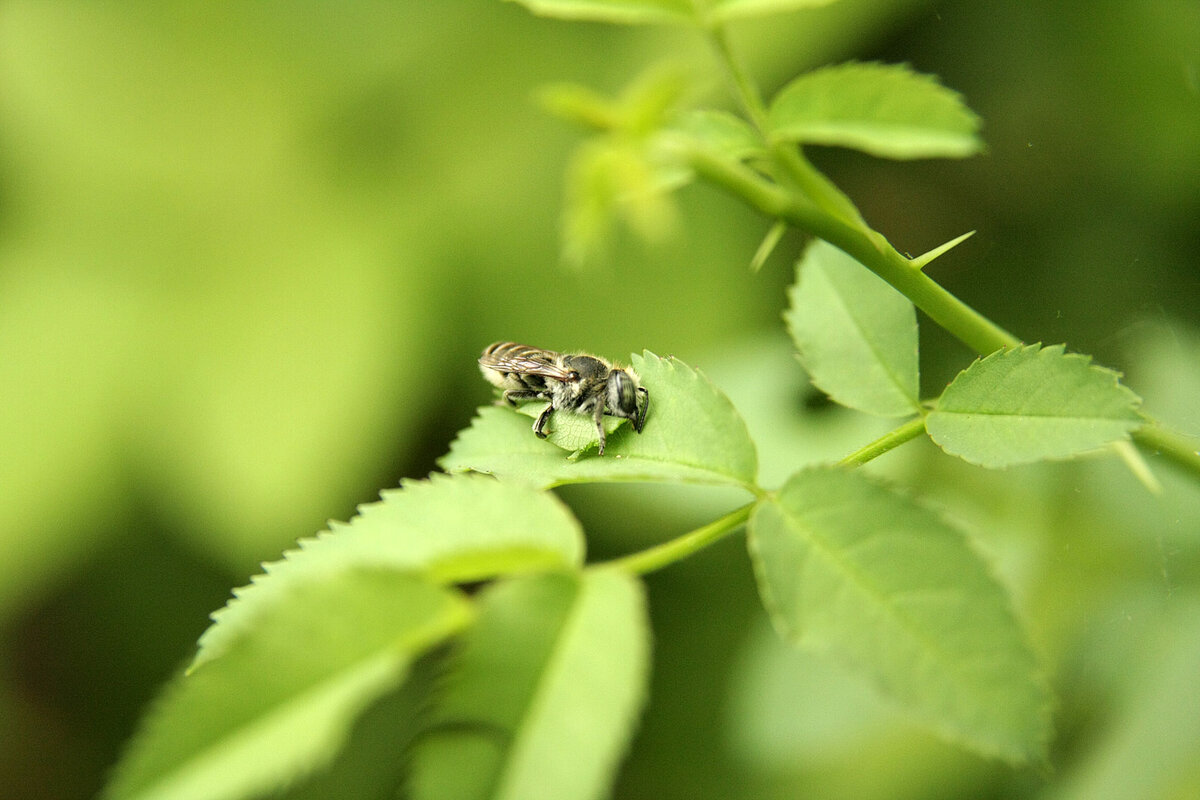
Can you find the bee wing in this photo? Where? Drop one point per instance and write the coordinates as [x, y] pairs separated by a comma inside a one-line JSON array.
[[526, 361]]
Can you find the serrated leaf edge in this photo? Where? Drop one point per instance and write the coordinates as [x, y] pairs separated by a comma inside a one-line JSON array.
[[794, 637], [287, 566]]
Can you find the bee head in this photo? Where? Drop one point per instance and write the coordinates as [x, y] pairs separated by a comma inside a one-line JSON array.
[[623, 396]]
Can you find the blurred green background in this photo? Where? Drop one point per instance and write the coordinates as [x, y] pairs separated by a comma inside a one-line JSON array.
[[249, 253]]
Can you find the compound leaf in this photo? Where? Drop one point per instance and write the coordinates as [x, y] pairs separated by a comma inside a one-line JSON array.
[[281, 700], [692, 434], [856, 335], [460, 528], [1031, 403], [885, 110], [890, 589], [544, 693]]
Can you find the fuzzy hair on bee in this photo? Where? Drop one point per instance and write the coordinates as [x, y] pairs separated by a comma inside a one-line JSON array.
[[577, 383]]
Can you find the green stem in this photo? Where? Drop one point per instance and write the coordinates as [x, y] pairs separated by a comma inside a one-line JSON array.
[[679, 548], [744, 89], [809, 180], [1183, 450], [905, 433], [866, 246], [786, 155]]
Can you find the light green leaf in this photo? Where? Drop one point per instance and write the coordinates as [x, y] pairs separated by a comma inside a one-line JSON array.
[[724, 134], [373, 763], [614, 178], [724, 10], [460, 528], [1032, 403], [573, 432], [544, 694], [632, 12], [893, 591], [692, 434], [885, 110], [281, 700], [856, 335], [626, 12]]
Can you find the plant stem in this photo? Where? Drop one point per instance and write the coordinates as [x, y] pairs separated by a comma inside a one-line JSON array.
[[744, 89], [868, 247], [890, 440], [786, 155], [679, 548], [1183, 450]]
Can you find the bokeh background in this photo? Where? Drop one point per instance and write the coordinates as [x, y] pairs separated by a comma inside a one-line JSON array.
[[249, 253]]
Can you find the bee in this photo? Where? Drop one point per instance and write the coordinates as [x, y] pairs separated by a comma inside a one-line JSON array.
[[578, 383]]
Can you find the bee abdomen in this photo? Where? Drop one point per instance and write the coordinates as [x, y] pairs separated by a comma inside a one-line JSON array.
[[505, 351]]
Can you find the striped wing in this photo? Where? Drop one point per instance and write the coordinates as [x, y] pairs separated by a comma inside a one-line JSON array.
[[509, 357]]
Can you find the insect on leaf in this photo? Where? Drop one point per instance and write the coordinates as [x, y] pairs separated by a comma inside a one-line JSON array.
[[573, 432], [892, 591], [1032, 403], [692, 434]]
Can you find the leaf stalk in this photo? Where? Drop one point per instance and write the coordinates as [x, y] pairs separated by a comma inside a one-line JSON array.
[[889, 441], [679, 548]]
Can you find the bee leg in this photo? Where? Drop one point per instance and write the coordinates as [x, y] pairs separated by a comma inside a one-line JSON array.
[[600, 425], [511, 396], [642, 408], [539, 427]]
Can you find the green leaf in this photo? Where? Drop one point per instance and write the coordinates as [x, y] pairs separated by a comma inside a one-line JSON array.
[[611, 178], [692, 434], [891, 590], [626, 12], [856, 335], [1032, 403], [726, 135], [461, 528], [545, 692], [633, 12], [573, 432], [373, 763], [885, 110], [281, 700], [724, 10]]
